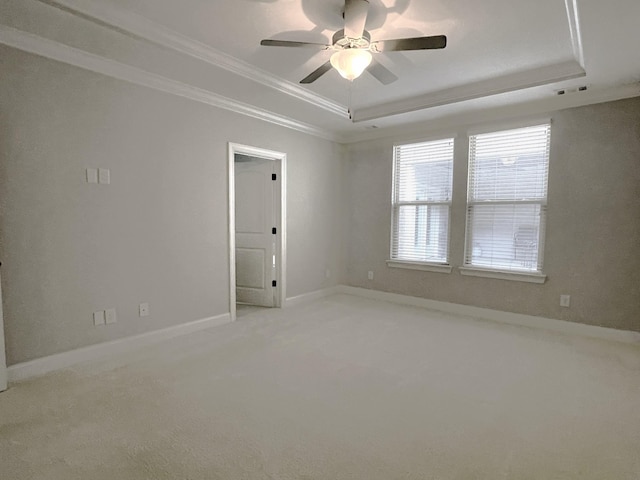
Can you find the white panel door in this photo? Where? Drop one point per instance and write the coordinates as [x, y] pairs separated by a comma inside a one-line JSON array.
[[255, 241], [3, 358]]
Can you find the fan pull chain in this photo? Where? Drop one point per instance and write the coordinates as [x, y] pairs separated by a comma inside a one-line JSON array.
[[350, 99]]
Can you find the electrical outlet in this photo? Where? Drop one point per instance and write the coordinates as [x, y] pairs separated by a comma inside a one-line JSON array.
[[327, 273], [144, 309], [98, 318], [370, 275], [110, 315], [565, 300]]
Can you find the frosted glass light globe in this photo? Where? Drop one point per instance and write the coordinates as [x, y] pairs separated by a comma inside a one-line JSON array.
[[351, 62]]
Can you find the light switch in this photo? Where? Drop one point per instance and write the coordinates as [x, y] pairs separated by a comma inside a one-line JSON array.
[[104, 176], [144, 309], [92, 175], [110, 315], [98, 318]]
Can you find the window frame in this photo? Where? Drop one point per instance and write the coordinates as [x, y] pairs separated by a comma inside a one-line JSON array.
[[432, 266], [532, 276]]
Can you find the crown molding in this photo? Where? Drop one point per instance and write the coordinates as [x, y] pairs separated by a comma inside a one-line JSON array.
[[31, 43], [574, 30], [506, 114], [484, 88], [139, 27], [507, 83]]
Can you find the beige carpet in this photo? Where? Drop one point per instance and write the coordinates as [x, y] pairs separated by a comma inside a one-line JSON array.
[[344, 388]]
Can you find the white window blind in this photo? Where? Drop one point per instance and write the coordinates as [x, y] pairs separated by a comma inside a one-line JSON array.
[[422, 180], [507, 199]]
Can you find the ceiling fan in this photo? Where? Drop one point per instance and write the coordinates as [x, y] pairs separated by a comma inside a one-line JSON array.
[[353, 47]]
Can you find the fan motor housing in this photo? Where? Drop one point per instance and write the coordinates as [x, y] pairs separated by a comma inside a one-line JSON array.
[[341, 41]]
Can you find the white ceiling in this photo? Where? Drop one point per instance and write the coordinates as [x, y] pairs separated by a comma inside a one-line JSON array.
[[500, 53]]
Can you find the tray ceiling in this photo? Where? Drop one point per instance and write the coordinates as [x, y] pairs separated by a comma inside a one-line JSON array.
[[499, 52]]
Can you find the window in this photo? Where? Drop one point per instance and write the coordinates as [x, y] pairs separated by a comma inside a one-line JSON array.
[[422, 181], [507, 199]]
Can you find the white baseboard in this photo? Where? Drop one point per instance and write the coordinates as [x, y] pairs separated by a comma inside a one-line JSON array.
[[560, 326], [41, 366], [315, 295], [58, 361]]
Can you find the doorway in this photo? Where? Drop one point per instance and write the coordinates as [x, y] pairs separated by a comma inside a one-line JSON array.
[[257, 227]]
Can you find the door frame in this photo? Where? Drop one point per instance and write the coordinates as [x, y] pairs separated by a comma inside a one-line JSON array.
[[3, 358], [280, 215]]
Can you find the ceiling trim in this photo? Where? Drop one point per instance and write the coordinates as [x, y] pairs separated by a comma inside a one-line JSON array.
[[507, 83], [574, 30], [31, 43], [140, 27], [505, 115]]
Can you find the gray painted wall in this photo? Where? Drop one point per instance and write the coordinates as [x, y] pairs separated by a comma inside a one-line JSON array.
[[158, 233], [593, 224]]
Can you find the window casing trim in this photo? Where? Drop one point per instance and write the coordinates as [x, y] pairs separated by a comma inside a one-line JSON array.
[[531, 277], [395, 209], [510, 125], [423, 266], [429, 138], [536, 276]]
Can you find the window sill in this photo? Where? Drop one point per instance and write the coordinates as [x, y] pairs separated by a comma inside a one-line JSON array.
[[427, 267], [504, 275]]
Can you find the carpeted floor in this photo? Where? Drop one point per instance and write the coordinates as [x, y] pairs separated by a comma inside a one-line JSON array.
[[343, 388]]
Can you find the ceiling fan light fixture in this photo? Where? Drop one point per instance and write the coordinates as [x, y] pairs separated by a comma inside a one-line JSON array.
[[351, 62], [352, 46]]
